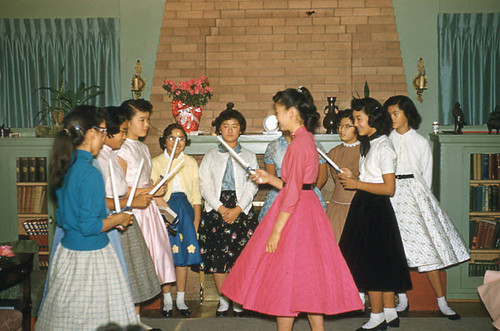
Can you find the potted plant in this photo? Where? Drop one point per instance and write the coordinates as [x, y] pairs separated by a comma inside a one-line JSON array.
[[60, 101]]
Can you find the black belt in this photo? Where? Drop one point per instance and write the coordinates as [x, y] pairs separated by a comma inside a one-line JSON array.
[[405, 176], [305, 186]]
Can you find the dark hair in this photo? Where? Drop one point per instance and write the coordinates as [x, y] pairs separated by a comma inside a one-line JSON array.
[[378, 118], [228, 114], [75, 124], [408, 107], [115, 118], [134, 105], [303, 101], [346, 113], [168, 131]]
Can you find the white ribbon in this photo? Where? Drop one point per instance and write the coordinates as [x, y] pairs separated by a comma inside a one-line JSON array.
[[187, 113]]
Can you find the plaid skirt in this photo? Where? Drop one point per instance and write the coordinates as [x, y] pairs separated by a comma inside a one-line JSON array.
[[87, 289], [144, 282]]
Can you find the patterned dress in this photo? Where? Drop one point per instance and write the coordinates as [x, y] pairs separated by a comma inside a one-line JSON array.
[[430, 239], [149, 219], [307, 272], [345, 156], [275, 152]]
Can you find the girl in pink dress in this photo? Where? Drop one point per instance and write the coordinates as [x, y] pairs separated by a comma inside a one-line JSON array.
[[149, 219], [292, 263]]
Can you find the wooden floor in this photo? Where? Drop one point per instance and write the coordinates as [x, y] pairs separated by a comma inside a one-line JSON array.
[[207, 310]]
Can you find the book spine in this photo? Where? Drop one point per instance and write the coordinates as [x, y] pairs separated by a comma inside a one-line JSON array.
[[41, 169], [23, 166], [481, 234], [18, 171], [498, 166], [32, 169], [492, 166], [484, 166], [475, 235], [496, 236]]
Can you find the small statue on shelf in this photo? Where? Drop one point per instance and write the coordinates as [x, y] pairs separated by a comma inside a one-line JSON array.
[[331, 120], [459, 119], [493, 122]]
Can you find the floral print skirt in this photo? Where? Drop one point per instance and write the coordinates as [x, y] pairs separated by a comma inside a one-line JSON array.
[[221, 243]]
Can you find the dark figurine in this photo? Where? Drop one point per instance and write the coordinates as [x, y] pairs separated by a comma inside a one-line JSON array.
[[331, 120], [4, 132], [493, 122], [459, 119]]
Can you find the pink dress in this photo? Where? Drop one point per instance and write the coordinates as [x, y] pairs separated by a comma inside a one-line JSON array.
[[149, 219], [307, 273]]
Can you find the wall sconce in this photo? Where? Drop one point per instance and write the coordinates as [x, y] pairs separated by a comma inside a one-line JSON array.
[[138, 83], [420, 80]]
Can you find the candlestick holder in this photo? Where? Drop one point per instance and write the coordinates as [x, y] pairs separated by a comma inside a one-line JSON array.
[[138, 84], [420, 80]]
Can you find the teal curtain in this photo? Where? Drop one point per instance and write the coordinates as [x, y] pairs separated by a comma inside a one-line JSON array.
[[34, 51], [469, 65]]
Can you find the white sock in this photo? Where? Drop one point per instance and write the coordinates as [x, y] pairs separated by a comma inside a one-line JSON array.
[[362, 297], [390, 314], [223, 303], [167, 301], [443, 306], [403, 302], [142, 325], [179, 301], [375, 319], [237, 307]]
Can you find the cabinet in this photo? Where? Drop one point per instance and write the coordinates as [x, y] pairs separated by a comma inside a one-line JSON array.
[[454, 184], [25, 202]]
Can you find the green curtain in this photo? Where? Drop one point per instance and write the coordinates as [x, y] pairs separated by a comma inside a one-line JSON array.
[[469, 65], [34, 51]]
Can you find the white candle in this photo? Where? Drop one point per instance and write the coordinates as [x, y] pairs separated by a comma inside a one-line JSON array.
[[134, 186], [333, 164], [113, 187], [235, 155], [157, 187], [171, 156]]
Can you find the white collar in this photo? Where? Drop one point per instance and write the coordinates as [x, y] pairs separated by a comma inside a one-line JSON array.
[[351, 145], [167, 156]]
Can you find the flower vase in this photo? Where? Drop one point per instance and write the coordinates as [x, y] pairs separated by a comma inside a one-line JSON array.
[[186, 116]]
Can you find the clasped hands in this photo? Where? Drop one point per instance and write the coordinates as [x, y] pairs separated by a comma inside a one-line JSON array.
[[229, 215], [348, 180]]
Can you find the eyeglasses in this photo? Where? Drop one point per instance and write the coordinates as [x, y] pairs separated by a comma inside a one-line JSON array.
[[346, 126], [100, 129], [181, 139]]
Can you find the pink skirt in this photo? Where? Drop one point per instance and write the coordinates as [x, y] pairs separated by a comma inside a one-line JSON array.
[[156, 237], [307, 273]]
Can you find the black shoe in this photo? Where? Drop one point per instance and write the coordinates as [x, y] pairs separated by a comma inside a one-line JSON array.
[[220, 313], [184, 312], [167, 313], [238, 313], [380, 327], [453, 317], [394, 323]]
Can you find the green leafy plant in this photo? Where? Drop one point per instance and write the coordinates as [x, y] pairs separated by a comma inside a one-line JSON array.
[[61, 99]]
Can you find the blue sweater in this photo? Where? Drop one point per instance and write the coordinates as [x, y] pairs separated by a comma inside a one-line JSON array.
[[82, 206]]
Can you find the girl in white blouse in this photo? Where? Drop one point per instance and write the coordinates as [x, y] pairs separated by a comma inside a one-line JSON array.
[[228, 219], [430, 239], [371, 242]]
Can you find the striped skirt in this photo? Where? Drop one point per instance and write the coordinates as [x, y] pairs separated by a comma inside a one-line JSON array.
[[87, 289]]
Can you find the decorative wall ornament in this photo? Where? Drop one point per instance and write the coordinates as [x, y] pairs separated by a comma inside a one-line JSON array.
[[420, 80]]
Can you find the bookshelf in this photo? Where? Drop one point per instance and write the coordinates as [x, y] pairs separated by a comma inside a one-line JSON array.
[[27, 210], [465, 185]]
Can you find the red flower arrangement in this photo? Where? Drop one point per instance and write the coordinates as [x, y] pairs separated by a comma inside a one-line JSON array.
[[6, 250], [187, 99]]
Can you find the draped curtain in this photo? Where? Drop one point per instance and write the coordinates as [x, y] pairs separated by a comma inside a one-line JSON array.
[[33, 52], [469, 65]]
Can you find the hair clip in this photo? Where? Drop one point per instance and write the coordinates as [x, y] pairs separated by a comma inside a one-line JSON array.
[[77, 128], [67, 131], [299, 89]]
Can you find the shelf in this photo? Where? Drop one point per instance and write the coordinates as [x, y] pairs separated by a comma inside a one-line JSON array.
[[32, 215], [485, 181], [484, 213], [31, 184], [485, 251]]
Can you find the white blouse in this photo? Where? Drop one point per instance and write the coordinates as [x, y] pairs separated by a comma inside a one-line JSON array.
[[380, 160], [414, 155], [212, 170], [103, 158], [132, 152]]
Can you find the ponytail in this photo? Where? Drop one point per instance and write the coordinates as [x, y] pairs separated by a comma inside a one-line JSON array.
[[303, 101]]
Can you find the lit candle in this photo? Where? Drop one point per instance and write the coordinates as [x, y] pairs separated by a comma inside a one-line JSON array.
[[238, 158], [171, 156], [113, 187], [134, 186], [167, 177], [421, 83]]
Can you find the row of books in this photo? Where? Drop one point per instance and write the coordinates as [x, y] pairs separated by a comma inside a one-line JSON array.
[[31, 169], [32, 199], [484, 197], [38, 230], [485, 233], [485, 166], [479, 267], [43, 262]]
